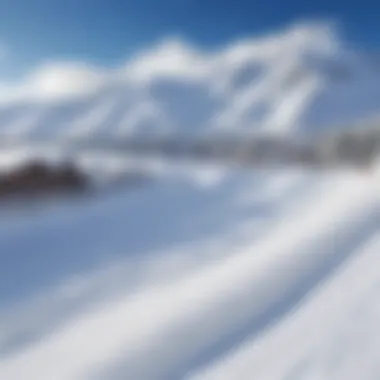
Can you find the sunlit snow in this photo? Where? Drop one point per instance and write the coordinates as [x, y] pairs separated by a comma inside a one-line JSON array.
[[205, 272]]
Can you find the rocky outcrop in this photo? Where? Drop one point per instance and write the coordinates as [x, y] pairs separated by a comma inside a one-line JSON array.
[[38, 179]]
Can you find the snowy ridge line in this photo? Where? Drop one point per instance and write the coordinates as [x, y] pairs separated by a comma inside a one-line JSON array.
[[186, 313], [301, 79]]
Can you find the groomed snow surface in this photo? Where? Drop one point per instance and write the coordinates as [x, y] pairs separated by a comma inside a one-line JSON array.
[[204, 273]]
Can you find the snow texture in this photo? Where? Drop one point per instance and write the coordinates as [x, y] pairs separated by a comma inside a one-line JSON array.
[[206, 273]]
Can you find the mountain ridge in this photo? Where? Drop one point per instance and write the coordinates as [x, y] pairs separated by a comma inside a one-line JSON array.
[[296, 80]]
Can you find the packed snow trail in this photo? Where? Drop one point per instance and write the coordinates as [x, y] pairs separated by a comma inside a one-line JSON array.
[[179, 325]]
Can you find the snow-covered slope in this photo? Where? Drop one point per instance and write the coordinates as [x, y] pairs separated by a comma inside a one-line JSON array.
[[206, 273], [297, 79]]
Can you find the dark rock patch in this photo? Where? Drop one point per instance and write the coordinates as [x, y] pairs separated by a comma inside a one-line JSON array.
[[36, 179]]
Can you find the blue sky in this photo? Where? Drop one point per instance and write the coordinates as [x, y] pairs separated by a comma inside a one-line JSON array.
[[106, 31]]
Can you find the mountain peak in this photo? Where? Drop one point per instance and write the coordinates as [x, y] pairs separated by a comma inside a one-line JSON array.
[[300, 78]]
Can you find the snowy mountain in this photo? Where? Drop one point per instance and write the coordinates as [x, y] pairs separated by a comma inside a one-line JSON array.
[[301, 79], [206, 272]]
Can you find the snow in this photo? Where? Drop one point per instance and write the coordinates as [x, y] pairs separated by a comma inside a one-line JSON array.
[[205, 272], [196, 272], [299, 79]]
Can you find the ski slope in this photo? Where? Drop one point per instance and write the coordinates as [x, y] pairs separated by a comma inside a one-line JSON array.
[[206, 272], [209, 275]]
